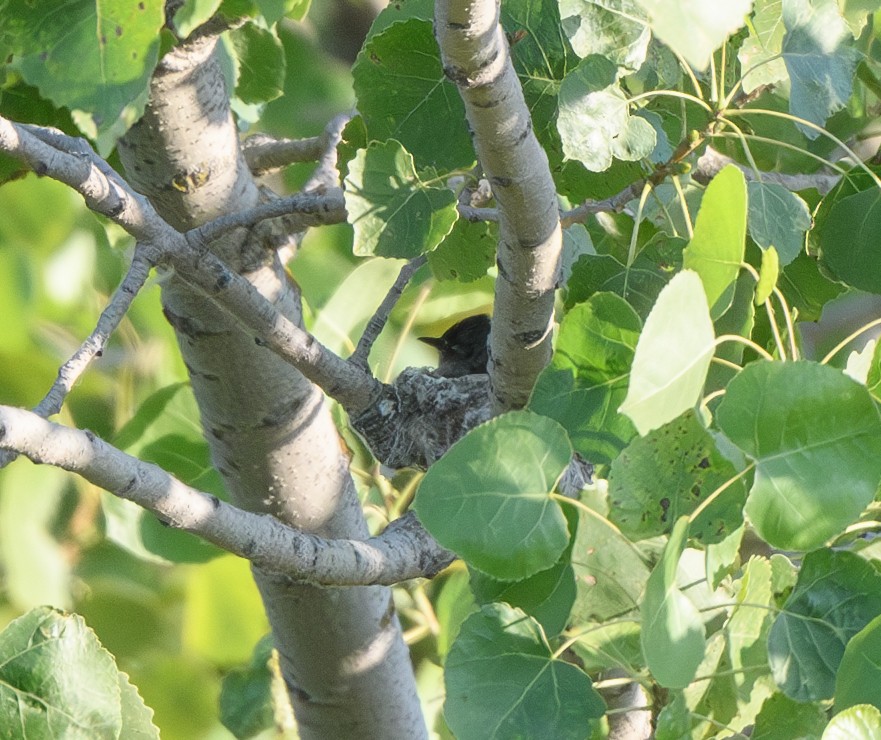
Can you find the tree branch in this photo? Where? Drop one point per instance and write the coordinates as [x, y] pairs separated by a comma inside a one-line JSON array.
[[476, 57], [403, 551], [377, 322], [94, 344], [106, 192]]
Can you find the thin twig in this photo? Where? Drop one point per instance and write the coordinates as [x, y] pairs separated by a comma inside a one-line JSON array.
[[313, 209], [265, 154], [378, 320], [326, 174], [94, 345]]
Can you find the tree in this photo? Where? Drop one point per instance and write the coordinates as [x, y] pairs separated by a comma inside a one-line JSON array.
[[658, 507]]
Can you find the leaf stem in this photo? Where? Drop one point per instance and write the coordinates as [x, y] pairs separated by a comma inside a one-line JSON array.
[[848, 339], [600, 518], [718, 492], [759, 350]]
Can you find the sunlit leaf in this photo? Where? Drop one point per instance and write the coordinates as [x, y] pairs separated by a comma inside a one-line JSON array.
[[672, 630], [673, 355], [697, 28], [393, 212], [716, 250]]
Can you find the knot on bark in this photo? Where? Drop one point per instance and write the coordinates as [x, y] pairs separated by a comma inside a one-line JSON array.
[[420, 415]]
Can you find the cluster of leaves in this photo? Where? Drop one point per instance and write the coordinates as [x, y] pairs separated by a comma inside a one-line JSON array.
[[708, 426], [678, 371]]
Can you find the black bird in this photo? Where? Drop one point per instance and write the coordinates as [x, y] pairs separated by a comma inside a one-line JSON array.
[[462, 347]]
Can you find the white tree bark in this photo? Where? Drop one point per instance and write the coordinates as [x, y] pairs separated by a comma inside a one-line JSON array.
[[272, 438], [476, 57]]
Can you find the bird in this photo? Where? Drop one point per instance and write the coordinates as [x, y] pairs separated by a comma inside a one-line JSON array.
[[462, 347]]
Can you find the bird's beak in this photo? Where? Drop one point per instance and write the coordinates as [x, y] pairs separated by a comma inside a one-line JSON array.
[[435, 342]]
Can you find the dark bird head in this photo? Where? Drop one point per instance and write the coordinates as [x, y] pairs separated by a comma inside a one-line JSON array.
[[462, 347]]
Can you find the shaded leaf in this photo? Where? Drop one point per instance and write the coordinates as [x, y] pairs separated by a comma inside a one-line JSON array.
[[859, 676], [487, 497], [587, 378], [778, 218], [837, 594], [667, 474], [403, 94], [501, 682], [819, 60], [815, 436]]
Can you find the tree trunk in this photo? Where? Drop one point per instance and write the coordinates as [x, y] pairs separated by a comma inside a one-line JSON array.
[[272, 438]]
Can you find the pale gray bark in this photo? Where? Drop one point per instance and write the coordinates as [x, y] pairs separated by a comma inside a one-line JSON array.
[[476, 57], [402, 551], [271, 436]]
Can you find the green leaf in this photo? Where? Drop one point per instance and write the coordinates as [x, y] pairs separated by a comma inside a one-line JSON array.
[[393, 212], [672, 357], [594, 119], [614, 644], [856, 13], [807, 289], [861, 722], [165, 430], [859, 676], [860, 363], [487, 497], [848, 239], [716, 250], [452, 607], [466, 253], [781, 718], [815, 436], [547, 596], [192, 14], [639, 284], [760, 53], [778, 218], [610, 571], [502, 682], [819, 60], [873, 378], [36, 568], [673, 638], [667, 474], [137, 717], [246, 698], [261, 63], [615, 29], [56, 680], [94, 57], [587, 378], [767, 276], [695, 29], [837, 594], [403, 94]]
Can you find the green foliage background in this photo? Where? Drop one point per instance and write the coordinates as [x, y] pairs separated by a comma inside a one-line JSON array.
[[653, 571]]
